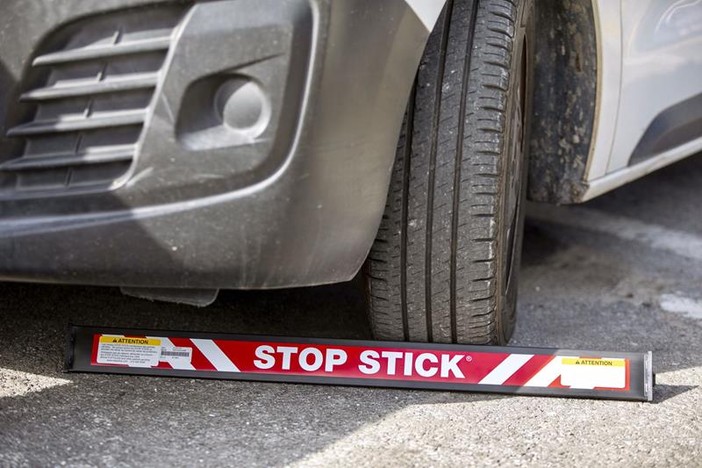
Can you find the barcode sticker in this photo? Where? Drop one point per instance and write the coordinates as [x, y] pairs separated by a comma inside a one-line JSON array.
[[176, 355]]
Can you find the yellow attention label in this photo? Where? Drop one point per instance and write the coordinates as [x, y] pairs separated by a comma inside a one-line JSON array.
[[600, 362], [130, 341]]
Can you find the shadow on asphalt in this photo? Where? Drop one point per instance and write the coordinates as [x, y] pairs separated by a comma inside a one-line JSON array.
[[112, 412], [663, 393], [120, 411]]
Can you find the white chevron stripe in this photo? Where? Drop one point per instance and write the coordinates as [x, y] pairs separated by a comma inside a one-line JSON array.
[[174, 364], [505, 369], [215, 355], [548, 374]]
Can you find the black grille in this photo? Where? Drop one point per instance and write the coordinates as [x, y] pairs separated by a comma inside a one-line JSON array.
[[88, 93]]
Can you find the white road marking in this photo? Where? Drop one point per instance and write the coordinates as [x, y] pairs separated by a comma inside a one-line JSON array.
[[505, 369], [215, 355], [15, 383], [682, 305], [658, 237]]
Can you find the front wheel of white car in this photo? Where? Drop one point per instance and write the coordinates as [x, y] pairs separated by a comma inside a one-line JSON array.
[[445, 263]]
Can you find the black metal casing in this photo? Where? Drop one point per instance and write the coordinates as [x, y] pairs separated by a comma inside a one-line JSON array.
[[80, 348]]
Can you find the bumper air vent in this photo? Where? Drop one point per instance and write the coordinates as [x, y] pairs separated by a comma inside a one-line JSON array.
[[87, 95]]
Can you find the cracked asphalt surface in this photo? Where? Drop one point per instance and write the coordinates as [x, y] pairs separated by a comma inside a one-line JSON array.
[[626, 284]]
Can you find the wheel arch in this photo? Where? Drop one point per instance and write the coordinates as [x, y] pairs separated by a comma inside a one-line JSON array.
[[565, 100]]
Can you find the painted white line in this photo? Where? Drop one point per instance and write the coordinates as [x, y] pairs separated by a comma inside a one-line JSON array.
[[215, 355], [15, 383], [658, 237], [505, 369], [681, 305]]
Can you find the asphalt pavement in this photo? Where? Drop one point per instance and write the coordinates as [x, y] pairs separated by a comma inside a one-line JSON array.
[[620, 273]]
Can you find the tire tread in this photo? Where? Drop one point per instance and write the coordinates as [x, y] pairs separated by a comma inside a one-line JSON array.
[[432, 273]]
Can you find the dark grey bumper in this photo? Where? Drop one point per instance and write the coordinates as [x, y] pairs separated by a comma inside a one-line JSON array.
[[298, 203]]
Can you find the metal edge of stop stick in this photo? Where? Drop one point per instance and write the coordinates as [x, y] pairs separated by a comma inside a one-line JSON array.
[[430, 366]]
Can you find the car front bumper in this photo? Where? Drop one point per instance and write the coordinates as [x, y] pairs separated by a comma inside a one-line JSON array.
[[295, 203]]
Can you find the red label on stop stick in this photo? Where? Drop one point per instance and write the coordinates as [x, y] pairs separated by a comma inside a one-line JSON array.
[[421, 364], [359, 362], [431, 366]]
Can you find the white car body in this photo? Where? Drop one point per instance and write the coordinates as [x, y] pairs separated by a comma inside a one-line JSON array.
[[650, 59]]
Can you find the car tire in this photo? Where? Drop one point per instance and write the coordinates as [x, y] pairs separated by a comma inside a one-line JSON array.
[[445, 263]]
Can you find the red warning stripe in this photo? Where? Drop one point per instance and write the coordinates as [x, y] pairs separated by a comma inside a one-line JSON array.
[[358, 362], [528, 370], [199, 361]]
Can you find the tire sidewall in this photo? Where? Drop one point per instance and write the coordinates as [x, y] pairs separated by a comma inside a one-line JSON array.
[[508, 274]]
